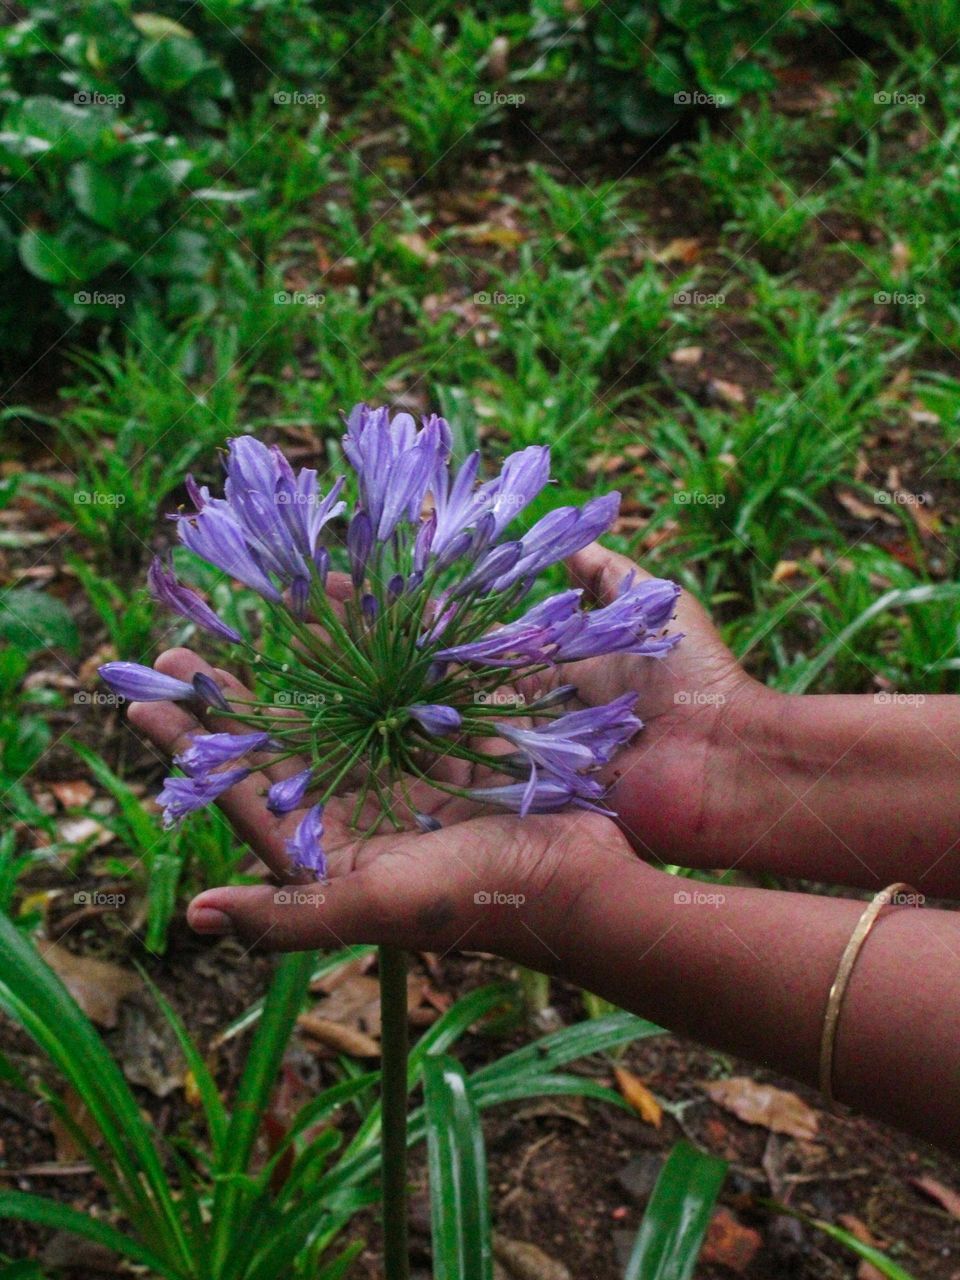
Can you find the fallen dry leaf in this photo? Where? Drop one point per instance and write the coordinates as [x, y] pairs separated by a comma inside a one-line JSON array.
[[525, 1261], [730, 1243], [686, 356], [339, 1038], [97, 986], [944, 1196], [763, 1104], [861, 510], [73, 794], [84, 830], [784, 569], [685, 249], [639, 1096], [65, 1144], [149, 1051], [414, 243], [726, 392]]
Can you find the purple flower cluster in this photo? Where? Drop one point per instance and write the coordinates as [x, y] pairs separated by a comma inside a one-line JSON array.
[[408, 666]]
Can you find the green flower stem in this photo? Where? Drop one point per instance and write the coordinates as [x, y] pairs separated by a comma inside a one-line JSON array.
[[393, 1039]]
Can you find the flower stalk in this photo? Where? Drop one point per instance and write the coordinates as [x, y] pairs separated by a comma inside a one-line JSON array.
[[393, 1093]]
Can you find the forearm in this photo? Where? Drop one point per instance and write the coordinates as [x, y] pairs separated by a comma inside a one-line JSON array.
[[843, 789], [748, 972]]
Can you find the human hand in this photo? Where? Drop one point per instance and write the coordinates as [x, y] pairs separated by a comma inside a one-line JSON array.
[[687, 783], [499, 883]]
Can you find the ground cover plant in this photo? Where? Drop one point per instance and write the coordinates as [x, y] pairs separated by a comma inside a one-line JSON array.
[[702, 254]]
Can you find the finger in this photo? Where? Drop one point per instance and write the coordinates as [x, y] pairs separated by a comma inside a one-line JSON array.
[[412, 891], [172, 728], [184, 664], [599, 572]]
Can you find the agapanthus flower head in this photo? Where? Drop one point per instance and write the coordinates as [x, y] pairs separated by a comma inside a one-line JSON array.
[[367, 680]]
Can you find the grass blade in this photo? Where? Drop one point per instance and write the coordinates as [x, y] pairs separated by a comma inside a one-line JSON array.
[[668, 1242], [283, 1004], [459, 1206]]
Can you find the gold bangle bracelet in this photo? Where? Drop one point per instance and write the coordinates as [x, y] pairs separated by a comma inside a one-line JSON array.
[[848, 960]]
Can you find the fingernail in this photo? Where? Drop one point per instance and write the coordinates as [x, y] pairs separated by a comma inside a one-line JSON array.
[[209, 920]]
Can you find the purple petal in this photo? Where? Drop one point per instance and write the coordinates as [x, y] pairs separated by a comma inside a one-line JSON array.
[[209, 751], [436, 718], [181, 796], [165, 588], [143, 684], [304, 845], [286, 795], [208, 691], [214, 535]]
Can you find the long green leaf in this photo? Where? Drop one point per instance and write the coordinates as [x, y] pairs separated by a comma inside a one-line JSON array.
[[886, 1266], [899, 598], [671, 1234], [32, 994], [213, 1109], [51, 1213], [280, 1011], [251, 1015], [458, 1019], [459, 1207], [578, 1041]]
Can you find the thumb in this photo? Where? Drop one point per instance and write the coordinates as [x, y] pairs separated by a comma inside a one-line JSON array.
[[599, 572], [384, 902]]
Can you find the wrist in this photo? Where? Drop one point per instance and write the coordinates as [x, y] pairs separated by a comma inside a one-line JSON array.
[[741, 787]]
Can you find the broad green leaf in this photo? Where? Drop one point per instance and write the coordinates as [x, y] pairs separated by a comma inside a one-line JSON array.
[[155, 26], [181, 254], [677, 1216], [171, 63], [32, 621], [72, 258], [459, 1207], [68, 130]]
